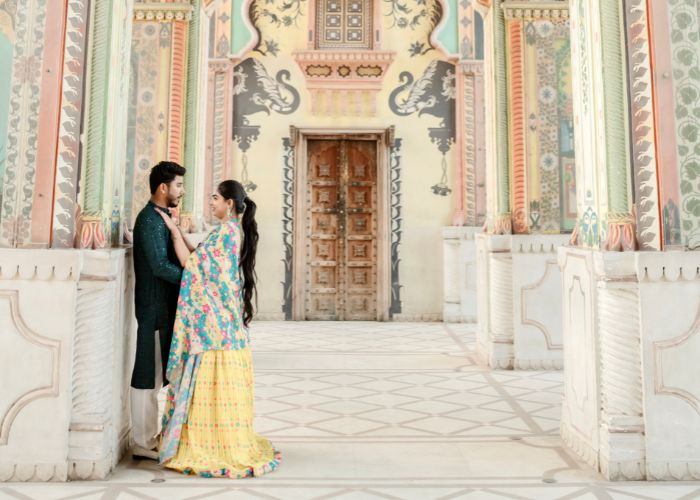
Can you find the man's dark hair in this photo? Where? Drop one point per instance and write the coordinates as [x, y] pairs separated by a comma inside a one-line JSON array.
[[164, 173]]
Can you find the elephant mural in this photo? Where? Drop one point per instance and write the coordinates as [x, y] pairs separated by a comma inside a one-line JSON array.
[[433, 94], [255, 91]]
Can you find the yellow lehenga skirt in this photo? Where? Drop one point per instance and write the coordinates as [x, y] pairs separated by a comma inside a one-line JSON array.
[[218, 439]]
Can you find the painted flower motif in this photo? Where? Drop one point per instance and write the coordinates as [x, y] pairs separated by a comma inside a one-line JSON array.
[[27, 69], [149, 31], [549, 162], [547, 94], [272, 47], [416, 49], [544, 28]]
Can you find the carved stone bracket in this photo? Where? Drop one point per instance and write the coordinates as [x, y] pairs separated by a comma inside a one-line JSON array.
[[354, 75], [181, 11]]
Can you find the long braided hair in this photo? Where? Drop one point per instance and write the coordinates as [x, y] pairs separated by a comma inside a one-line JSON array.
[[233, 190]]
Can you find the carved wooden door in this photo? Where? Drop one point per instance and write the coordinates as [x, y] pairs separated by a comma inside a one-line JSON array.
[[341, 274]]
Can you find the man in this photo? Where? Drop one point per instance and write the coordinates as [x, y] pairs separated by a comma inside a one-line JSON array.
[[158, 274]]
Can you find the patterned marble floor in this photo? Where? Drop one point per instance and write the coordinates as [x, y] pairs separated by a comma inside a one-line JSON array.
[[387, 410]]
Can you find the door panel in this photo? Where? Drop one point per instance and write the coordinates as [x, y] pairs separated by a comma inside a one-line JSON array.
[[342, 227], [324, 245]]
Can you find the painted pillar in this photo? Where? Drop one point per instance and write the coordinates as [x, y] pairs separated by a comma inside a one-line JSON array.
[[643, 127], [675, 56], [110, 43], [497, 144], [621, 224], [31, 117], [472, 147], [70, 126], [602, 127], [49, 104], [219, 127], [191, 124], [540, 118], [470, 108], [93, 217]]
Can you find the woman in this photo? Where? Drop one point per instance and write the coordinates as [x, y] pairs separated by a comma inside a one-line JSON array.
[[208, 419]]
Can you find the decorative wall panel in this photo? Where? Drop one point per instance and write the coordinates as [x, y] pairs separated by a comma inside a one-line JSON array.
[[22, 130], [541, 125], [677, 80], [149, 101]]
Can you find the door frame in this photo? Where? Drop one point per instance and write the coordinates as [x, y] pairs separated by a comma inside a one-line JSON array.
[[384, 137]]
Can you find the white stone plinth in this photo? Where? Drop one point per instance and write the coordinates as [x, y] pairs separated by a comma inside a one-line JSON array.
[[459, 302], [519, 301], [66, 326], [631, 350]]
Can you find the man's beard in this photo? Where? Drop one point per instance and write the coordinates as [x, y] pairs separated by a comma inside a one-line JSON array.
[[173, 202]]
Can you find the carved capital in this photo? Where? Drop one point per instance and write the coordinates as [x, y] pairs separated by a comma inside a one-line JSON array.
[[91, 233], [472, 68], [220, 65], [519, 10]]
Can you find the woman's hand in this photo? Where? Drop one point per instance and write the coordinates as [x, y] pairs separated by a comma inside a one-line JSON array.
[[170, 223]]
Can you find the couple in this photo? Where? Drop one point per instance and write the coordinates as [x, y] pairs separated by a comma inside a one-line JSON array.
[[193, 307]]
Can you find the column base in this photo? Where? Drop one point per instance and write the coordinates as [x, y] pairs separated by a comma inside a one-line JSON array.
[[519, 296], [459, 298], [69, 315], [631, 344]]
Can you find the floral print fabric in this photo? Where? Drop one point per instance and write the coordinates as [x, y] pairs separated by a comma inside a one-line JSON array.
[[209, 318]]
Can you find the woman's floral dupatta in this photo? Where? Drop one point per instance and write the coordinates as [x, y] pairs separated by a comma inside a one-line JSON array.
[[209, 317]]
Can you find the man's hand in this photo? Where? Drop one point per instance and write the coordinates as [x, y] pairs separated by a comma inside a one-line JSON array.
[[170, 223]]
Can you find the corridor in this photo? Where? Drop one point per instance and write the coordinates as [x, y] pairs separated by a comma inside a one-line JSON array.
[[387, 410]]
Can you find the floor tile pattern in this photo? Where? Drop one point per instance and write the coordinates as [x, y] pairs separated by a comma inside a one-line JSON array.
[[387, 410]]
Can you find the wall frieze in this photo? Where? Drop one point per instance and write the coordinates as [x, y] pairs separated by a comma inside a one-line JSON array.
[[42, 265], [518, 11], [669, 471], [181, 11], [39, 472], [537, 243], [667, 266]]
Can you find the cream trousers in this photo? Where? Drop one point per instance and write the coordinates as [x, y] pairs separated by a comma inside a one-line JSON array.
[[144, 407]]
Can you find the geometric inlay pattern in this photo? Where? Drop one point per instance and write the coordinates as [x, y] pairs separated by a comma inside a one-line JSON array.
[[387, 410]]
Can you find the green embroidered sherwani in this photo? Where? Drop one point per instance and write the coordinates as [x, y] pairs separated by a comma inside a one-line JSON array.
[[158, 272]]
